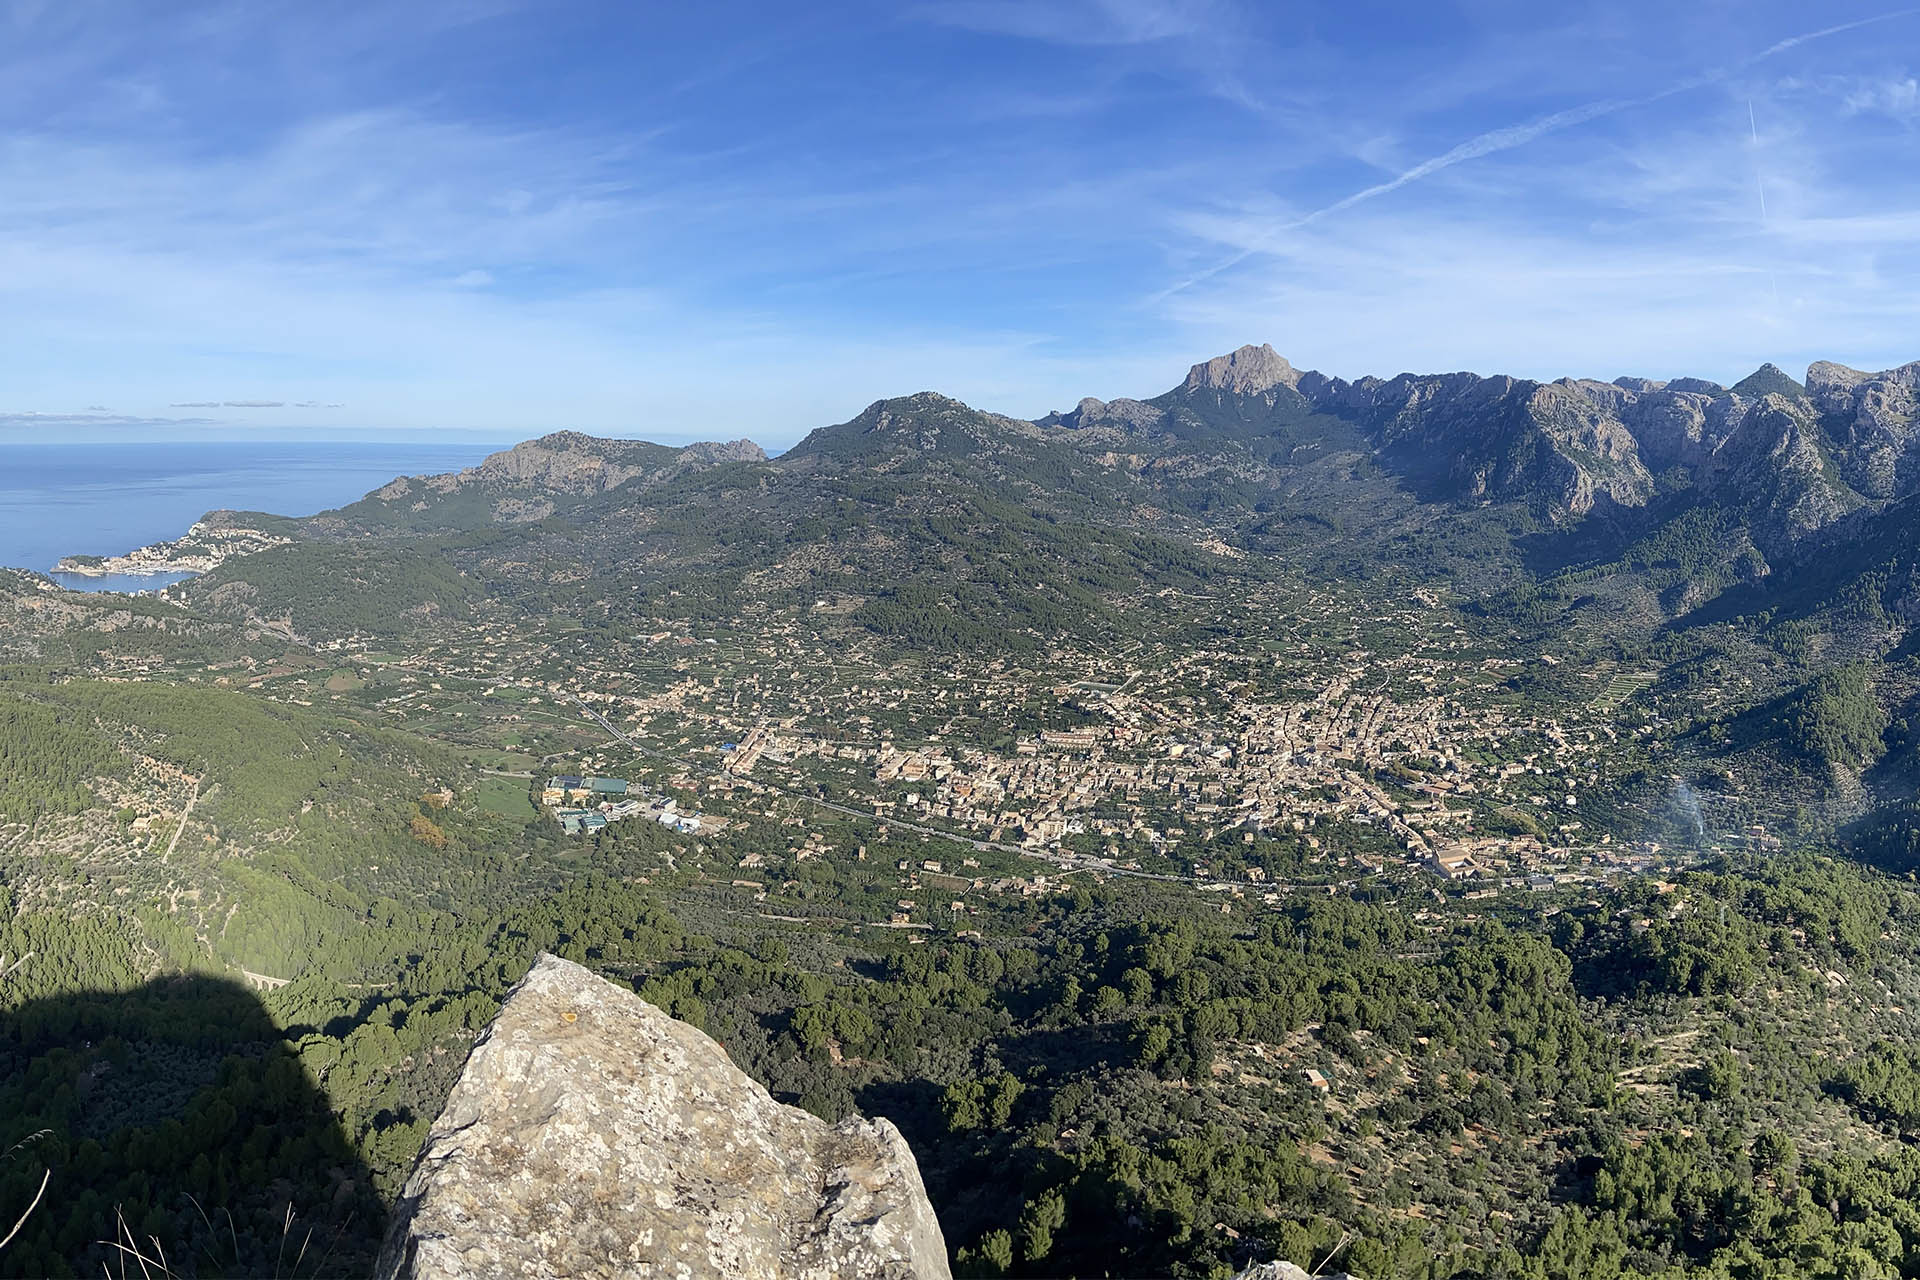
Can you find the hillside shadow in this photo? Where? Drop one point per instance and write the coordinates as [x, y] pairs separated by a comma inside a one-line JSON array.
[[1067, 1050], [1598, 538], [178, 1110], [1799, 590]]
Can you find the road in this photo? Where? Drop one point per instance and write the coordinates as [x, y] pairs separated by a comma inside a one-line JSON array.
[[184, 815]]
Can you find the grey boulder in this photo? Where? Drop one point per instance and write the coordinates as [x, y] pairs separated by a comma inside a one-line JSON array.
[[592, 1135]]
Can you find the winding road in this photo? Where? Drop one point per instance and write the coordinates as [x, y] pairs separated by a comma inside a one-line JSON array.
[[184, 815]]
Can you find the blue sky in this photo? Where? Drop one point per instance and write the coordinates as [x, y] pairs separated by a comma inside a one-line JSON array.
[[725, 219]]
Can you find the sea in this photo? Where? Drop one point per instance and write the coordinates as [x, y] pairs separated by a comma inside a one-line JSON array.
[[106, 499]]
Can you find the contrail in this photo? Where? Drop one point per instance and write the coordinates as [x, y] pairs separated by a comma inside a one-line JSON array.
[[1485, 144], [1519, 135], [1792, 41], [1760, 182]]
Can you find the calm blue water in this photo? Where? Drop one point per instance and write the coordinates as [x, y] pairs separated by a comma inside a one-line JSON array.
[[106, 499]]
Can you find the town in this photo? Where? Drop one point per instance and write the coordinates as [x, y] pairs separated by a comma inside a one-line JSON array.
[[1324, 743]]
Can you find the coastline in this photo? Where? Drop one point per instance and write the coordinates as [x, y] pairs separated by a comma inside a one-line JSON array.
[[205, 546], [149, 511]]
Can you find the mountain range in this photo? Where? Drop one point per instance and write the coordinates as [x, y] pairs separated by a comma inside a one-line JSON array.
[[1246, 465], [1793, 457]]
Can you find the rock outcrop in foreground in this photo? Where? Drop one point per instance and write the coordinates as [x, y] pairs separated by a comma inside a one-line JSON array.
[[592, 1135], [1285, 1271]]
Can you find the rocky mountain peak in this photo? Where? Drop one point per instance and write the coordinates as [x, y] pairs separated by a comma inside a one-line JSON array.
[[1250, 371], [1123, 414], [925, 424], [921, 411], [567, 462], [570, 462], [1822, 374], [1835, 388], [1769, 380], [558, 440], [592, 1135]]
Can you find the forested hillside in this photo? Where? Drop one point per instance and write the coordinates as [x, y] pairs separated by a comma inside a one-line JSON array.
[[1550, 1093]]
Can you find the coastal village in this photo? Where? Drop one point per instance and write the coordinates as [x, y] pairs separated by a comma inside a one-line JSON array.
[[205, 546]]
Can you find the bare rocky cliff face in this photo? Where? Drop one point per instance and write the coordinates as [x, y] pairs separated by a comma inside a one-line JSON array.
[[1793, 459], [592, 1135], [1499, 437], [1248, 371]]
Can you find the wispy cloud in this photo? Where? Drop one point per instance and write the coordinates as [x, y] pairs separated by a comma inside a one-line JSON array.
[[1509, 137], [43, 426], [1083, 22], [1663, 268], [1896, 96], [251, 404], [1210, 42], [1456, 295]]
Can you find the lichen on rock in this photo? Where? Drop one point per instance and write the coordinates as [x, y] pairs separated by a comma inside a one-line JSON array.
[[592, 1135]]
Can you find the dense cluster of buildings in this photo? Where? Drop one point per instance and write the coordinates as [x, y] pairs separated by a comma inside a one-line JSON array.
[[1144, 770], [1395, 757]]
